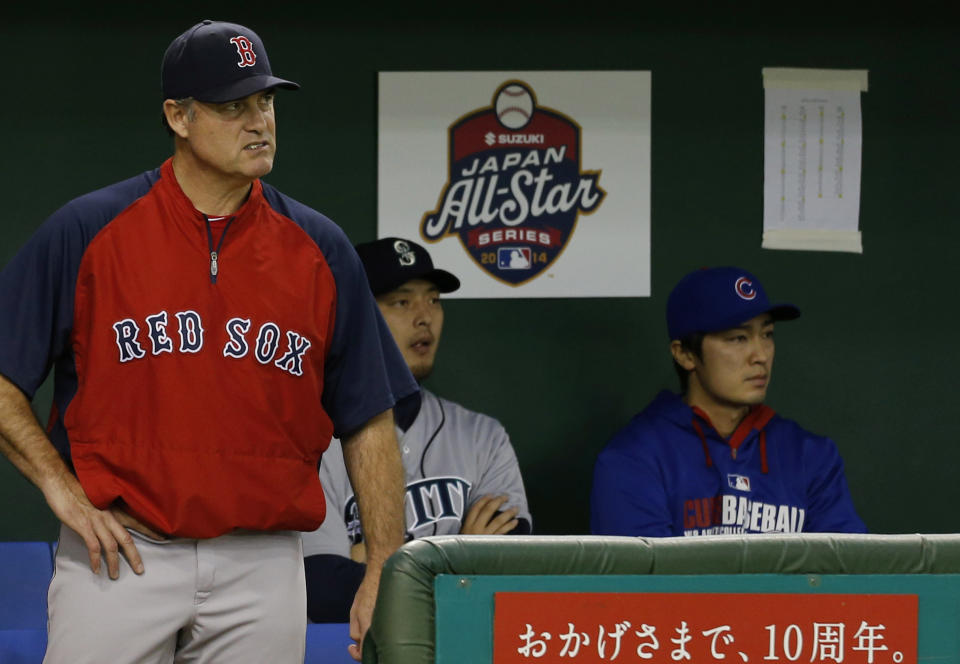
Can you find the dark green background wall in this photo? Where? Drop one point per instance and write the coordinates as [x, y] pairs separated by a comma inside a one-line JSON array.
[[873, 360]]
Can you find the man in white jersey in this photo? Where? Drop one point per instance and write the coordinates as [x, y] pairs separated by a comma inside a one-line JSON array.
[[462, 474]]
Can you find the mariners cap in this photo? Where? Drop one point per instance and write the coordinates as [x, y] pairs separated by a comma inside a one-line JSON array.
[[719, 298], [392, 261], [216, 62]]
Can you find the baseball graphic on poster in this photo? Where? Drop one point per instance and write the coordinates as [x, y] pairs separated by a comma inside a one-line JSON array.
[[475, 162], [514, 106]]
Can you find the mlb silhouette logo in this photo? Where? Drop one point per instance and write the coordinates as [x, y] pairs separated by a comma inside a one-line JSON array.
[[738, 482], [514, 258]]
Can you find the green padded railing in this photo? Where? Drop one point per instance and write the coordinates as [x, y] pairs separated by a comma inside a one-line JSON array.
[[403, 628]]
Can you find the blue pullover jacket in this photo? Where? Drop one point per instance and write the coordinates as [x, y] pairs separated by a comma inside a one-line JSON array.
[[669, 473]]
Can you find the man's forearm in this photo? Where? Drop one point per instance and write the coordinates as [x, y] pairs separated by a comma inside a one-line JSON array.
[[24, 442], [373, 463]]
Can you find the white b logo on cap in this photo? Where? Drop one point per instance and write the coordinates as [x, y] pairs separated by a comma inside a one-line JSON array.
[[404, 253]]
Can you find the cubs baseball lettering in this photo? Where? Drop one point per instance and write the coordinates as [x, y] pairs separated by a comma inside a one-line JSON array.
[[190, 332], [514, 208], [725, 515]]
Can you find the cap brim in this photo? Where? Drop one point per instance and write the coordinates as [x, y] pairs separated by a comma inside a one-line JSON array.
[[777, 312], [784, 312], [244, 88], [445, 282]]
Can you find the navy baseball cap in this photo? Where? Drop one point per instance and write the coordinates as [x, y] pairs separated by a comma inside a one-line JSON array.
[[719, 298], [216, 62], [393, 261]]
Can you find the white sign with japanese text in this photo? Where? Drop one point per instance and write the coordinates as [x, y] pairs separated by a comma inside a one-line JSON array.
[[811, 166]]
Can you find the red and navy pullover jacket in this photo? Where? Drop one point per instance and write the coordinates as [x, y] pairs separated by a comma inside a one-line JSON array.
[[197, 393], [670, 473]]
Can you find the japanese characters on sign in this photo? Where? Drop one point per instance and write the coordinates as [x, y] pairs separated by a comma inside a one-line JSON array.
[[705, 627]]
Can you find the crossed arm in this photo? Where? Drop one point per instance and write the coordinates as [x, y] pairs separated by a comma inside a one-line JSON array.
[[484, 517]]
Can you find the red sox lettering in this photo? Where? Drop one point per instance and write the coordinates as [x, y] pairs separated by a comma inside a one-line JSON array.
[[190, 339]]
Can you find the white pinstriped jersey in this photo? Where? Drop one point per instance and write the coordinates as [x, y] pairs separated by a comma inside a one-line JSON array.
[[451, 457]]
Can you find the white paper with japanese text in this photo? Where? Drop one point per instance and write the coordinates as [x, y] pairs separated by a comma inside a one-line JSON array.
[[812, 159]]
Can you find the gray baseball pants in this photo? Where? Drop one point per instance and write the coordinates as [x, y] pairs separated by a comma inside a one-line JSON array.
[[233, 599]]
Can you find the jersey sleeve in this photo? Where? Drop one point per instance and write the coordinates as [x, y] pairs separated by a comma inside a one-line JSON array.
[[331, 537], [364, 372], [831, 505], [36, 301], [38, 285], [628, 496], [499, 469]]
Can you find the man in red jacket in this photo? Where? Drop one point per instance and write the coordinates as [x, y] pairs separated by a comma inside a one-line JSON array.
[[208, 335]]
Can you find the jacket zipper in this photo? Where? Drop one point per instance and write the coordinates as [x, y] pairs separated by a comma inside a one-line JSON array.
[[215, 253]]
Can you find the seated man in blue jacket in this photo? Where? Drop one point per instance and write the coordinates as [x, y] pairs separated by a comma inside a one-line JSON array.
[[714, 459]]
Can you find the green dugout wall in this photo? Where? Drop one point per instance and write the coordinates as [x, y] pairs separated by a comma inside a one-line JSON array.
[[873, 360], [437, 595]]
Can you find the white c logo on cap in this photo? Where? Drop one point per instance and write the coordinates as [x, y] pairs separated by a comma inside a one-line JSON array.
[[744, 288]]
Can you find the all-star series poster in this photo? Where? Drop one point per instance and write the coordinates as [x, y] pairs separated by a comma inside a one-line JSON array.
[[524, 184]]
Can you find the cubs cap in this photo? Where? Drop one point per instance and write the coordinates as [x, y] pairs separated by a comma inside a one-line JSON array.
[[719, 298], [216, 62], [392, 261]]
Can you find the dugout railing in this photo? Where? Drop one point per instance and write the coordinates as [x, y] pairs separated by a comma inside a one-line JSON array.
[[436, 601]]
